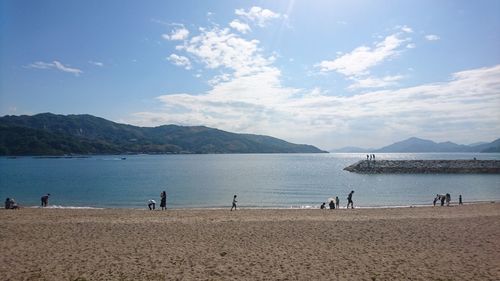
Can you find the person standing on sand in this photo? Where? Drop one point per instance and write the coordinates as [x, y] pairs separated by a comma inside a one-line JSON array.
[[234, 203], [45, 200], [349, 200], [163, 202], [460, 200], [337, 202], [448, 199]]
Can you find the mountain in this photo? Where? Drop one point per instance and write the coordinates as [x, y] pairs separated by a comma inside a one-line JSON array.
[[51, 134], [421, 145], [351, 149], [493, 146]]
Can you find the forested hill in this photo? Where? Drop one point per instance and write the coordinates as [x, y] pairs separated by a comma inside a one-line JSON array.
[[51, 134]]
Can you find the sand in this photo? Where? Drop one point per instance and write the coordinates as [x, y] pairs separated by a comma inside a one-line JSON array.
[[440, 243]]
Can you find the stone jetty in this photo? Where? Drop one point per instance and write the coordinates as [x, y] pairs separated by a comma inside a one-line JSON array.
[[425, 167]]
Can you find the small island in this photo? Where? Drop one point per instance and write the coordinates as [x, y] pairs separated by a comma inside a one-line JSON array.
[[425, 167]]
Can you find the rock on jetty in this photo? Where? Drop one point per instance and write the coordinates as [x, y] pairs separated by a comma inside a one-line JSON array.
[[426, 167]]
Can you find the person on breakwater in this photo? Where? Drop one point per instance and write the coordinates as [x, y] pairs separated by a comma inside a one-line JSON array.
[[337, 202], [349, 200], [234, 203], [322, 206], [45, 200], [163, 201], [332, 205]]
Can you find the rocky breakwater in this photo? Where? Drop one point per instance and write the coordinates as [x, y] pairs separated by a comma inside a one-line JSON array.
[[426, 167]]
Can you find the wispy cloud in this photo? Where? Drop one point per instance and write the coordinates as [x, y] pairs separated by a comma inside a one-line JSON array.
[[177, 34], [55, 65], [373, 82], [432, 37], [361, 59], [96, 63], [240, 26], [180, 61], [257, 15]]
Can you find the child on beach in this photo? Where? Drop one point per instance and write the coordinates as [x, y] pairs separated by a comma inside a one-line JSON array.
[[234, 203], [322, 206], [151, 204]]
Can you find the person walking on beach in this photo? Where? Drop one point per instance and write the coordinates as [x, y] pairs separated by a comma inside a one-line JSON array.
[[460, 200], [151, 204], [45, 200], [435, 200], [337, 202], [349, 200], [332, 205], [442, 198], [163, 202], [448, 199], [234, 203]]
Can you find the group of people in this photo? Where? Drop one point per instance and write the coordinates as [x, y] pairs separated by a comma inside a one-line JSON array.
[[163, 202], [446, 198], [335, 204], [10, 203], [370, 157]]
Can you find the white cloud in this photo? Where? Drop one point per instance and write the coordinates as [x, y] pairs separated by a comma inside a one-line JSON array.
[[411, 46], [177, 34], [219, 48], [432, 37], [406, 29], [97, 63], [240, 26], [259, 103], [180, 61], [361, 59], [55, 65], [257, 15], [373, 82]]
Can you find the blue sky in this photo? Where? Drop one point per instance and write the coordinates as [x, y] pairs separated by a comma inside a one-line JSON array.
[[328, 73]]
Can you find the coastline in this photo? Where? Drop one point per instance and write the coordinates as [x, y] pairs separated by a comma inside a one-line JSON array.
[[424, 243]]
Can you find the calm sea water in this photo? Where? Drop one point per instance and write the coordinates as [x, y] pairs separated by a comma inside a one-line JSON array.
[[204, 181]]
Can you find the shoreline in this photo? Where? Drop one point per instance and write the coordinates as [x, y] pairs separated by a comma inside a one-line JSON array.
[[305, 207]]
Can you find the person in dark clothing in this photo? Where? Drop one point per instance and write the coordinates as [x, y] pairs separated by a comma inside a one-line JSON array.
[[322, 206], [337, 202], [163, 202], [45, 200], [332, 205], [349, 200], [234, 203], [442, 200], [460, 200]]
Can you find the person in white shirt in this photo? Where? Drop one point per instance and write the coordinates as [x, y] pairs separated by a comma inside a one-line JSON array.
[[151, 204]]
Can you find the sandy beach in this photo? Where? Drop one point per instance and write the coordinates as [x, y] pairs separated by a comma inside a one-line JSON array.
[[426, 243]]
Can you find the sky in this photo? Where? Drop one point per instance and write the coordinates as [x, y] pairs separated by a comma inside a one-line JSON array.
[[327, 73]]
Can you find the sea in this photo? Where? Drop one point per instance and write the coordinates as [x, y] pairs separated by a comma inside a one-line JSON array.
[[211, 180]]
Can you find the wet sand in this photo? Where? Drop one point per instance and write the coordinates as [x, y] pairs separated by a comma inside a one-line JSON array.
[[440, 243]]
